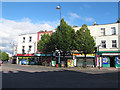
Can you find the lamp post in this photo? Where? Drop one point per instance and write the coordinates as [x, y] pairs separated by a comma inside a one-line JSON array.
[[99, 56], [59, 8]]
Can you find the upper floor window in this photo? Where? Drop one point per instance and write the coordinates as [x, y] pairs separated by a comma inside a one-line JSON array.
[[30, 39], [23, 49], [23, 39], [30, 48], [114, 43], [102, 31], [113, 30], [103, 43], [40, 36]]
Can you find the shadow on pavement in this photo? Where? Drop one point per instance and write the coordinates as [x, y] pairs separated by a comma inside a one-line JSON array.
[[59, 79]]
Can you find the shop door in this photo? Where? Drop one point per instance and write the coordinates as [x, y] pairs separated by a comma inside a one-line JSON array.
[[112, 61]]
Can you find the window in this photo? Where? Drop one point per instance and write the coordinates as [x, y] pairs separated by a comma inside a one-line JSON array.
[[23, 39], [23, 51], [40, 36], [30, 48], [103, 44], [113, 30], [102, 31], [30, 39], [114, 43]]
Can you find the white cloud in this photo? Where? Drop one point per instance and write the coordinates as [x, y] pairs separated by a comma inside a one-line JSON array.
[[9, 31], [89, 19], [73, 15]]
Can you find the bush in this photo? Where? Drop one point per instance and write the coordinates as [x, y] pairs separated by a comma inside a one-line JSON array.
[[44, 63]]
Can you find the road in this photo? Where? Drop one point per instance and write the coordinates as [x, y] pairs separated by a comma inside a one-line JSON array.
[[19, 76]]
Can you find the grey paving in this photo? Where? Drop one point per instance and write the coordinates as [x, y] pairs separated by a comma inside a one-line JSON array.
[[16, 76]]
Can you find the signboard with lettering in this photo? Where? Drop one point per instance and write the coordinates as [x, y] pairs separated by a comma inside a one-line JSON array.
[[117, 61], [70, 63], [106, 62]]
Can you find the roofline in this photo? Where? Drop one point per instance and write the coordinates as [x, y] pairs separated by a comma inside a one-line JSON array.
[[27, 34], [44, 31], [103, 24]]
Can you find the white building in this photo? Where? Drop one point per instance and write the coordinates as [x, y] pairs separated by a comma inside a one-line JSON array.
[[15, 49], [108, 36], [27, 43]]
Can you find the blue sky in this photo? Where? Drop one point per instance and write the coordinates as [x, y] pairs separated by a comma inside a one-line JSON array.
[[31, 17], [75, 13]]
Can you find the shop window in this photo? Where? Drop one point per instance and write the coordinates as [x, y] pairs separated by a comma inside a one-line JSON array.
[[114, 43], [102, 31], [113, 30], [103, 43]]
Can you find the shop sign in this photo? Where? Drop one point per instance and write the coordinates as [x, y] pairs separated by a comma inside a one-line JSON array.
[[70, 63], [53, 63], [110, 53], [84, 54], [118, 60], [105, 60], [25, 55]]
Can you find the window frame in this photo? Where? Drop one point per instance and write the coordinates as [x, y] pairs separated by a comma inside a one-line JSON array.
[[23, 39], [30, 39], [114, 43], [113, 30], [103, 44], [102, 31]]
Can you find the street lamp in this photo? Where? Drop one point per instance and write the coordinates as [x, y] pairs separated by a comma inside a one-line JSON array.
[[59, 8], [99, 56], [58, 57]]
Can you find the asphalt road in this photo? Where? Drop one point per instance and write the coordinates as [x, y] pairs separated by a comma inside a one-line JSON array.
[[17, 76]]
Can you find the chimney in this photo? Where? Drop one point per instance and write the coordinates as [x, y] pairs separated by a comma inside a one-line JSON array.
[[118, 21], [95, 23], [75, 26]]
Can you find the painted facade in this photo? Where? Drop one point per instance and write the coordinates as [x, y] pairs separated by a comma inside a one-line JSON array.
[[28, 43], [108, 37]]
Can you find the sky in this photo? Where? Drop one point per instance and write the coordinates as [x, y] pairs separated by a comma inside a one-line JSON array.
[[31, 17]]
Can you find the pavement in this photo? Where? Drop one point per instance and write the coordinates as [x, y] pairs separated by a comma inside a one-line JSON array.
[[78, 68]]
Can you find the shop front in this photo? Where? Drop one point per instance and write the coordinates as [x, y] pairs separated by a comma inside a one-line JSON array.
[[110, 58], [79, 60], [40, 58], [26, 59]]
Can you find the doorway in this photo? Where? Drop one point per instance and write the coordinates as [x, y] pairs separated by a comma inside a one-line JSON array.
[[112, 61]]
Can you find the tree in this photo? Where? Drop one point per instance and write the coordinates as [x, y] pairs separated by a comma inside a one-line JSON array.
[[63, 39], [5, 56], [84, 41], [43, 44]]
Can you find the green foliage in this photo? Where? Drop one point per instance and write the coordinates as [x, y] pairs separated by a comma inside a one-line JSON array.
[[63, 39], [84, 41], [44, 43], [44, 63], [4, 56]]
